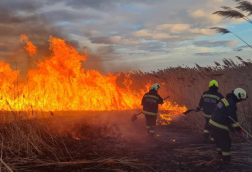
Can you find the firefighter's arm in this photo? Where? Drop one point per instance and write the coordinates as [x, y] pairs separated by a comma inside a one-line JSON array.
[[160, 100], [233, 118], [200, 104], [221, 97]]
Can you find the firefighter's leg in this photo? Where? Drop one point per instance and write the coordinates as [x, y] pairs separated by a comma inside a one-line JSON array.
[[210, 135], [152, 131], [225, 146], [216, 135], [147, 117], [206, 131], [152, 125]]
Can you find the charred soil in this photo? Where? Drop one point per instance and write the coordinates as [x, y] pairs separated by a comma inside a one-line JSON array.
[[111, 142]]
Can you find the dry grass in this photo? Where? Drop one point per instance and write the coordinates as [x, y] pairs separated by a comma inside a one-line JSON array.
[[21, 137]]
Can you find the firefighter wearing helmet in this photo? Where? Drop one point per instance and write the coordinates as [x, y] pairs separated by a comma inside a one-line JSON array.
[[208, 102], [150, 103], [224, 119]]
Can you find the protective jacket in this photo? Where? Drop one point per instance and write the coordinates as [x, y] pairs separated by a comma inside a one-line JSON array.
[[225, 108], [150, 102], [209, 100]]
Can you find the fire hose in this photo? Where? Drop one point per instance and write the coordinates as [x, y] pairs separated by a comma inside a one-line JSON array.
[[241, 127], [190, 110], [134, 117]]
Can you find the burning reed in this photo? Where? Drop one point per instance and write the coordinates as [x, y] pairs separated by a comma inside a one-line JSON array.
[[60, 83]]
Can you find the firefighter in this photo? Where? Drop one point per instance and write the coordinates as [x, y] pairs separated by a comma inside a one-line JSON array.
[[209, 101], [223, 119], [150, 103]]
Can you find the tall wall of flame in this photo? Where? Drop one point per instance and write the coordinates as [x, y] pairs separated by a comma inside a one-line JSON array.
[[60, 83]]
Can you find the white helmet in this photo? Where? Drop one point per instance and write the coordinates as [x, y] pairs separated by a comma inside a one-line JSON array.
[[155, 86], [240, 94]]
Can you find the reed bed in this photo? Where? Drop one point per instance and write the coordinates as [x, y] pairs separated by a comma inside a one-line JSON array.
[[185, 85], [29, 135]]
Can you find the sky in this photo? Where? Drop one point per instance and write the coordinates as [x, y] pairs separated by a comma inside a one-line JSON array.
[[124, 35]]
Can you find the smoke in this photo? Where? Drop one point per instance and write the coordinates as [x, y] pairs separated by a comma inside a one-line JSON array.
[[114, 125], [22, 17], [25, 17], [106, 59]]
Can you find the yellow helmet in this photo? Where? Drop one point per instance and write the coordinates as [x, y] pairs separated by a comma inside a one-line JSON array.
[[213, 83]]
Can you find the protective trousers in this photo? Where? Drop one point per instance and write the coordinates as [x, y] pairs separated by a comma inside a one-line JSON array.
[[207, 131], [222, 142], [150, 124]]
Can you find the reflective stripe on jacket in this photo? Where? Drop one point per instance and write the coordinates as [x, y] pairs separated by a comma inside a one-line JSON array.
[[208, 102], [150, 102], [225, 108]]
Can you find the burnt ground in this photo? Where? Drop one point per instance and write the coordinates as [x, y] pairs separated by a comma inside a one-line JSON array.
[[109, 141]]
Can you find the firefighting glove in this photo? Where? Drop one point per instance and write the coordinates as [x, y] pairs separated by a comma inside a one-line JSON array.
[[240, 132]]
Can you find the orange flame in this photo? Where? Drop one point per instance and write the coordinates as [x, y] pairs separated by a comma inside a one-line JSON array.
[[60, 83], [29, 45]]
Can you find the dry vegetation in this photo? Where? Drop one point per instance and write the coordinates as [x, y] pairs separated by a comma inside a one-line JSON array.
[[26, 137], [25, 141], [185, 86], [41, 140]]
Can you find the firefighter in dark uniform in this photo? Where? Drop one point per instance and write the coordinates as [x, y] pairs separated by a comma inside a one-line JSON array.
[[150, 103], [208, 101], [224, 119]]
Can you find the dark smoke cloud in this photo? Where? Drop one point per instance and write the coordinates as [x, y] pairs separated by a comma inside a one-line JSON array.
[[101, 40], [20, 17], [95, 61], [62, 15], [29, 17], [103, 61], [21, 5]]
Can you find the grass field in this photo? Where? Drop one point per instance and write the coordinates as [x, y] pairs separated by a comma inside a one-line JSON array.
[[65, 117]]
